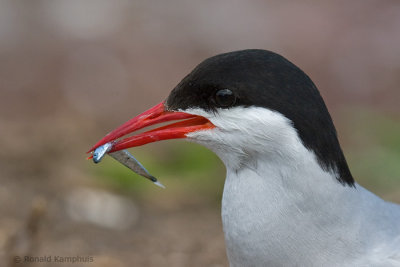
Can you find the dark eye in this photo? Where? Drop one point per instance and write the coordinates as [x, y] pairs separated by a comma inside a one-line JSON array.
[[225, 98]]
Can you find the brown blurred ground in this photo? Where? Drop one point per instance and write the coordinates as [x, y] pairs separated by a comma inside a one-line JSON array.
[[72, 70]]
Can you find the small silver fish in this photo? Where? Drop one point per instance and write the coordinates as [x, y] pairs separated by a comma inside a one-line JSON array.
[[99, 152], [126, 159]]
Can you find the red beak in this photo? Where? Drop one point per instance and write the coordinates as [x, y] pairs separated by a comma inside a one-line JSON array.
[[156, 114]]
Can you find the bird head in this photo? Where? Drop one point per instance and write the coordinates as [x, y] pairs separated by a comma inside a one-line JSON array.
[[240, 105]]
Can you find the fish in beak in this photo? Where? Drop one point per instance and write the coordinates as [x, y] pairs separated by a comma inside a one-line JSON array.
[[157, 114]]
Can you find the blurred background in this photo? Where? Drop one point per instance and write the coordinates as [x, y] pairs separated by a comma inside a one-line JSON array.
[[72, 70]]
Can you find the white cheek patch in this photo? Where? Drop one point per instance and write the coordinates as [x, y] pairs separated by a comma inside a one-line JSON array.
[[247, 125], [241, 133]]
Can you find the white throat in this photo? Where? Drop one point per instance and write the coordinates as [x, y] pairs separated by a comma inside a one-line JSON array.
[[279, 207]]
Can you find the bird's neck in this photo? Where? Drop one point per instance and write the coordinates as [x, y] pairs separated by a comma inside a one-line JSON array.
[[277, 208]]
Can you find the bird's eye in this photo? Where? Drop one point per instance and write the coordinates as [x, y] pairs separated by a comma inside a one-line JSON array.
[[225, 98]]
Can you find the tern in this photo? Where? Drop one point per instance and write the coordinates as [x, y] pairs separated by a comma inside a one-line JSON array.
[[289, 197]]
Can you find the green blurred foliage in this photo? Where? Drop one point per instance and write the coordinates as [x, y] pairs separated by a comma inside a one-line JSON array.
[[373, 151]]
